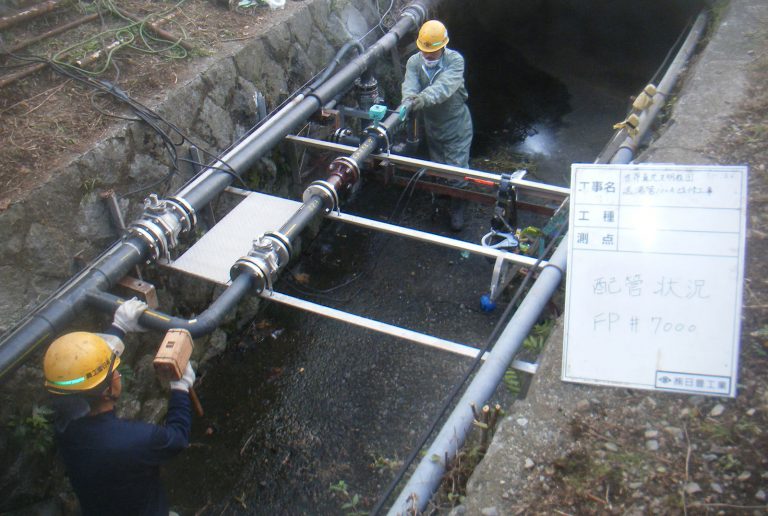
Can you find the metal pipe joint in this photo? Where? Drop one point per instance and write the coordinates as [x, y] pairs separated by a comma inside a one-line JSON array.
[[270, 253], [344, 172], [326, 191], [161, 224]]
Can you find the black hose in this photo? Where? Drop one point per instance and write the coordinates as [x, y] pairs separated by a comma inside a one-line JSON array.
[[53, 317], [203, 324], [335, 62]]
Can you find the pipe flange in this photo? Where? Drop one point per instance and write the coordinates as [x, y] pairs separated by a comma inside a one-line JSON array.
[[154, 232], [341, 133], [418, 18], [188, 214], [378, 132], [283, 247], [351, 172], [161, 223], [154, 241], [325, 190], [253, 267]]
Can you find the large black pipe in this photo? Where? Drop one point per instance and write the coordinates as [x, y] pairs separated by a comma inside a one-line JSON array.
[[53, 317], [212, 181], [306, 213], [201, 325]]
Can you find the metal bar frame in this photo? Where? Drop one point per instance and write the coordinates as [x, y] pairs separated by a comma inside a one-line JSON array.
[[435, 239], [541, 189], [372, 324], [389, 329]]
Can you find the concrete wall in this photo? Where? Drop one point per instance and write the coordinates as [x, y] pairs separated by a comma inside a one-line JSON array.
[[64, 222]]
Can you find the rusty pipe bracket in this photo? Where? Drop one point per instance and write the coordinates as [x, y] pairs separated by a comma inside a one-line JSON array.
[[344, 172]]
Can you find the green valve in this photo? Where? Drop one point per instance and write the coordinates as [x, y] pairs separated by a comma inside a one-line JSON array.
[[377, 112], [402, 113]]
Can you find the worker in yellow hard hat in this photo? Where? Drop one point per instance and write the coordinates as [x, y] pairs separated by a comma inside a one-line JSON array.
[[434, 85], [112, 463]]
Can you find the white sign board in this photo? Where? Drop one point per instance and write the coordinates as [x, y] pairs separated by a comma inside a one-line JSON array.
[[655, 273]]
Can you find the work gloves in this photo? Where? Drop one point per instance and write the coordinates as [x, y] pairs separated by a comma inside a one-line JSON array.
[[417, 102], [127, 315], [185, 382]]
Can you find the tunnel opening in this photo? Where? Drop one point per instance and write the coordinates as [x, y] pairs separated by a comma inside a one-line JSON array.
[[300, 403], [547, 79]]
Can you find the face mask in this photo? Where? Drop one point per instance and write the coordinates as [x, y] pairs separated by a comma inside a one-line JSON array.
[[430, 64]]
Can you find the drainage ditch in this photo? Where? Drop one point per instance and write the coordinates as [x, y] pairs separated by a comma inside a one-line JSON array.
[[299, 403]]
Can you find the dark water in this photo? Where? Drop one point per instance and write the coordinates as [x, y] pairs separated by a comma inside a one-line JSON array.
[[299, 402], [302, 402], [548, 78]]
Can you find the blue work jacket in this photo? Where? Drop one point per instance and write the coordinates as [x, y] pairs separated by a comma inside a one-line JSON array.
[[113, 463]]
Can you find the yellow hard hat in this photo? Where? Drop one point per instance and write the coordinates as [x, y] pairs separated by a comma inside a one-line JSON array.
[[432, 36], [80, 362]]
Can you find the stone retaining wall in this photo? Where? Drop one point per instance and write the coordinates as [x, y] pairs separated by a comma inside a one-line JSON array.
[[64, 223]]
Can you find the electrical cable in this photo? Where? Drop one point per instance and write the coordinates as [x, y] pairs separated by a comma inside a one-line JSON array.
[[381, 19], [124, 36], [457, 388], [161, 126]]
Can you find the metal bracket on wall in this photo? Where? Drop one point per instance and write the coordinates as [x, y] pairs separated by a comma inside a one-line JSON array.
[[140, 288]]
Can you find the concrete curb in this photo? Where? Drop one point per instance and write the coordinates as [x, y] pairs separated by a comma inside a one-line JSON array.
[[536, 429]]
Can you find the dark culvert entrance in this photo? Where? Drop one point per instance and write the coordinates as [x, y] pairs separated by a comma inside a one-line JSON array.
[[306, 414], [549, 78]]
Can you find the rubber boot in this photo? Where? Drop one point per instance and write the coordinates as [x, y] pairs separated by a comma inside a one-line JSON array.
[[457, 214]]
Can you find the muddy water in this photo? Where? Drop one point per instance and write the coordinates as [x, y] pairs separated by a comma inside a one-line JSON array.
[[299, 402]]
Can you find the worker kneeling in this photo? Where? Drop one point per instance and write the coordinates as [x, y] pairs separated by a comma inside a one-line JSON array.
[[112, 463]]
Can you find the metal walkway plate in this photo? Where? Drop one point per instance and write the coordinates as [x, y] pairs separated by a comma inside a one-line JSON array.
[[231, 239]]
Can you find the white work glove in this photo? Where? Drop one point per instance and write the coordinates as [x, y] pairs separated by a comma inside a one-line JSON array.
[[186, 381], [417, 102], [127, 315]]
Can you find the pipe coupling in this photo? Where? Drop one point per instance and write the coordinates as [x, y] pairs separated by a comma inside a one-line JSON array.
[[326, 191], [380, 134], [343, 173], [341, 135], [161, 224], [263, 262], [416, 12]]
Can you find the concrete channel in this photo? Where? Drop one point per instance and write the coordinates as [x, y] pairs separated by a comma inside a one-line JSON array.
[[296, 402]]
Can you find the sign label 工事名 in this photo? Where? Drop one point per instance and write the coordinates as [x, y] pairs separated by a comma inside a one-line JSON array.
[[655, 274]]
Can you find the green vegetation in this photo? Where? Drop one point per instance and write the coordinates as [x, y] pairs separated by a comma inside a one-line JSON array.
[[538, 336], [512, 381], [381, 463], [350, 501], [34, 431], [89, 185], [127, 374], [533, 346]]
